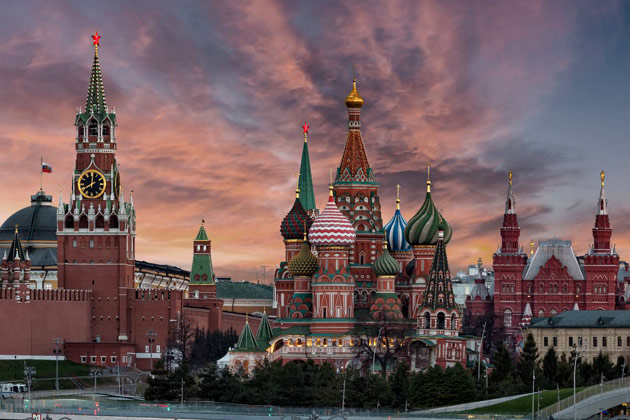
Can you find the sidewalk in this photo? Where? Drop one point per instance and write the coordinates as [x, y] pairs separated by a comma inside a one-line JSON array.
[[469, 406]]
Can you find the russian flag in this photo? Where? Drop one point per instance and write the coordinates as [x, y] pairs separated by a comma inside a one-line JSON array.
[[46, 167]]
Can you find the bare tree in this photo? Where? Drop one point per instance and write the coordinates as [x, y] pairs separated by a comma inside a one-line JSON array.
[[381, 340], [180, 342]]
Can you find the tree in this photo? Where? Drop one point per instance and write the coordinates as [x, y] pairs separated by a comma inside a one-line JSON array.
[[550, 369], [180, 342], [400, 384], [160, 386], [383, 341], [528, 362]]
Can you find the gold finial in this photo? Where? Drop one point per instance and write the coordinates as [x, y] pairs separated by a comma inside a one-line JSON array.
[[247, 317], [305, 128], [297, 187], [354, 100], [510, 178], [304, 230], [398, 197], [96, 42], [330, 187], [429, 178], [531, 247], [16, 229], [602, 176]]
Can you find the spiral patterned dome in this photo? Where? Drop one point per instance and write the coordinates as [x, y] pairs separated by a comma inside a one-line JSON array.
[[331, 228], [395, 232], [422, 228], [385, 265], [292, 226], [304, 263]]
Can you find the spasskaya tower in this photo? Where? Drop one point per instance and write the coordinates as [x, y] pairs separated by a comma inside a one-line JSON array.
[[96, 228]]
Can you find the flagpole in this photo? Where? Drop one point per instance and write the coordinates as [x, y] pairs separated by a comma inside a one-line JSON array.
[[41, 174]]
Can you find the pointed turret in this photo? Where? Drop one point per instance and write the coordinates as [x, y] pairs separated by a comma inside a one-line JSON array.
[[439, 291], [201, 271], [305, 181], [96, 101], [510, 231], [246, 341], [354, 166], [602, 231], [15, 251], [264, 329]]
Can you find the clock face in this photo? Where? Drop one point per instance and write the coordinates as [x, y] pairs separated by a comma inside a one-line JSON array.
[[91, 184], [117, 185]]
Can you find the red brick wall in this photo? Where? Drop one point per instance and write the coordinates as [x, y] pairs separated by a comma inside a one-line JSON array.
[[27, 328]]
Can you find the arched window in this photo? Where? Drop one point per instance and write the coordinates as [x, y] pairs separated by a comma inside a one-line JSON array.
[[83, 222], [529, 288], [604, 288], [453, 322], [100, 222], [565, 288], [106, 129], [361, 258], [427, 320], [542, 288], [441, 320], [93, 128], [507, 318], [69, 222], [541, 313], [553, 312], [113, 222]]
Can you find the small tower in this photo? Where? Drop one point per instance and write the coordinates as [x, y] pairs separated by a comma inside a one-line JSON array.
[[333, 236], [16, 265], [422, 234], [201, 274], [439, 315], [385, 303]]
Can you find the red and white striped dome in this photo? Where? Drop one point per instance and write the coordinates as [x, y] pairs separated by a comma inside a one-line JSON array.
[[331, 228]]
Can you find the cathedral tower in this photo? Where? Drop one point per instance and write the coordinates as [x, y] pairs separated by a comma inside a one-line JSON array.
[[356, 195], [96, 229]]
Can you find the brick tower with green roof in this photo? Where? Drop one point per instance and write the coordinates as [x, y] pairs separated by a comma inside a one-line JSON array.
[[202, 291]]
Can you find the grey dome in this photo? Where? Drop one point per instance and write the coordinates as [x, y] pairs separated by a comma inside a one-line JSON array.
[[37, 222]]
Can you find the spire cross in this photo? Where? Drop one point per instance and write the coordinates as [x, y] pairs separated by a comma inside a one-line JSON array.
[[297, 188], [398, 197], [510, 178], [429, 178], [331, 176], [602, 175], [354, 71], [96, 41]]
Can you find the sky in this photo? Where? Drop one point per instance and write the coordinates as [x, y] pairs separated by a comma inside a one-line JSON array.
[[210, 97]]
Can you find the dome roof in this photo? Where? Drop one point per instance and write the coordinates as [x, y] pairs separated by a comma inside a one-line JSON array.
[[395, 232], [331, 228], [422, 228], [385, 265], [292, 226], [304, 263], [37, 222], [354, 100]]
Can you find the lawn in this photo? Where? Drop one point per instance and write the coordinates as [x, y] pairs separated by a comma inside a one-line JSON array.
[[11, 370], [523, 405]]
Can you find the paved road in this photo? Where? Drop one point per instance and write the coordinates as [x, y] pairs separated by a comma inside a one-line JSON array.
[[470, 405]]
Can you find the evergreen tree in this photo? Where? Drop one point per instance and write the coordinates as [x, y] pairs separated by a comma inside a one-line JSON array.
[[160, 386], [400, 385], [550, 369], [528, 362]]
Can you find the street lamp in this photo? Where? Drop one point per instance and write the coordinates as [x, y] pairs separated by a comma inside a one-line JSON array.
[[151, 334], [577, 352], [29, 372], [56, 342], [95, 372]]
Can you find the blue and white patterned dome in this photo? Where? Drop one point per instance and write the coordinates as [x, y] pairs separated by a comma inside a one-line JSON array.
[[395, 231]]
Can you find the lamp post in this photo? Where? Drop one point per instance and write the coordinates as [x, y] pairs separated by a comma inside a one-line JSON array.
[[56, 342], [29, 372], [95, 372], [533, 389], [577, 352], [479, 352], [151, 334]]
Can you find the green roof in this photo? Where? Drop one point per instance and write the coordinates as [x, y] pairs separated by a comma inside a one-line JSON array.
[[201, 235], [584, 319], [96, 93], [243, 290], [305, 182], [246, 341], [264, 330]]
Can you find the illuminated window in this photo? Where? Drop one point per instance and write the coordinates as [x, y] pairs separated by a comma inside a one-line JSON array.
[[507, 318]]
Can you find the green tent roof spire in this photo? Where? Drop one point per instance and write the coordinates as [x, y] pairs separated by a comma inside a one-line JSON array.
[[246, 341], [96, 101], [264, 330], [201, 271], [305, 182]]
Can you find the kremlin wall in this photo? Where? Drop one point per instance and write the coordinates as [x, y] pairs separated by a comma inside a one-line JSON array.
[[69, 271]]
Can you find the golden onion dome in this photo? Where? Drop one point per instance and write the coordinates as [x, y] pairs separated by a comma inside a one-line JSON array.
[[354, 100]]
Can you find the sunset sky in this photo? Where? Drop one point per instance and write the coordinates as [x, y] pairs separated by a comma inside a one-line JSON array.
[[210, 97]]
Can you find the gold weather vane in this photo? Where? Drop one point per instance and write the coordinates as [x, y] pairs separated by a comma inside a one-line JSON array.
[[510, 178], [96, 42], [531, 247], [429, 178], [602, 176]]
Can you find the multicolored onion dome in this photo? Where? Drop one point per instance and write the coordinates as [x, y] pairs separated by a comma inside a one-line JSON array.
[[331, 228], [301, 305], [422, 228], [395, 233], [385, 265], [292, 226], [304, 263]]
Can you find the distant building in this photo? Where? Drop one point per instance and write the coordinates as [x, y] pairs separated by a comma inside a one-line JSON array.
[[592, 332]]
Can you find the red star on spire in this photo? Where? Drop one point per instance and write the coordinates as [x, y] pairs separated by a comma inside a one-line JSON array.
[[305, 127], [96, 37]]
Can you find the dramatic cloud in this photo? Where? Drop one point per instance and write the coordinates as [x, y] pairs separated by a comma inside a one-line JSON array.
[[210, 97]]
